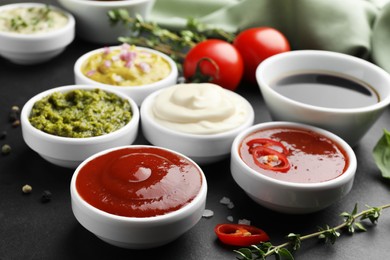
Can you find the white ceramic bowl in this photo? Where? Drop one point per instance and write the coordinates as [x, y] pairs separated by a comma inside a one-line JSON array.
[[351, 124], [93, 24], [202, 148], [70, 152], [286, 196], [137, 232], [36, 48], [137, 93]]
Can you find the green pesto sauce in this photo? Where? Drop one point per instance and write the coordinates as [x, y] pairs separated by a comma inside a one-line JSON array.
[[80, 113]]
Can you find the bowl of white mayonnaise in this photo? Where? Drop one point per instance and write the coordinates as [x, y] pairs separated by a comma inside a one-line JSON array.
[[199, 120]]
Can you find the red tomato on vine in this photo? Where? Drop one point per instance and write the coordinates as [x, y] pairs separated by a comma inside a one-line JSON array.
[[257, 44], [214, 61]]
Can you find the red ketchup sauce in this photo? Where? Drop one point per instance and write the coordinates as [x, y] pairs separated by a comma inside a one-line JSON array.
[[313, 158], [139, 182]]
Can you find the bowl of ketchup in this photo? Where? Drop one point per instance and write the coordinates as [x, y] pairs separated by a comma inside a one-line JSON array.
[[138, 196], [292, 167]]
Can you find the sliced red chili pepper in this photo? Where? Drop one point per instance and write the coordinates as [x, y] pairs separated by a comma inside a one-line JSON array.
[[267, 143], [240, 235], [270, 159]]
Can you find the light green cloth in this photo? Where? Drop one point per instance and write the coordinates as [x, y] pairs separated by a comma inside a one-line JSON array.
[[357, 27]]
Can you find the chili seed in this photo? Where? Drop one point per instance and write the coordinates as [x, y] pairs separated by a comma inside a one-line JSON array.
[[26, 189], [46, 196], [5, 149]]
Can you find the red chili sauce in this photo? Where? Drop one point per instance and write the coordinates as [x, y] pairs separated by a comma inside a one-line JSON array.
[[139, 182], [312, 157]]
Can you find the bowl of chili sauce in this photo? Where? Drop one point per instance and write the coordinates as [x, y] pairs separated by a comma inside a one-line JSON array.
[[292, 167], [138, 196]]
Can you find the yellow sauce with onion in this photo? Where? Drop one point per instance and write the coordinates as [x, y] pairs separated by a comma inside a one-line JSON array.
[[126, 66]]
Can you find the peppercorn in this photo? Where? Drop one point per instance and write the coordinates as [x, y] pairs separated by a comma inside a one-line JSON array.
[[5, 149], [15, 109], [13, 116], [26, 189], [16, 123], [46, 196], [3, 135]]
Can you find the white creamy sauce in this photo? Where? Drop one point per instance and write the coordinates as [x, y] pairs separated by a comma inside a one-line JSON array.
[[199, 109], [31, 20]]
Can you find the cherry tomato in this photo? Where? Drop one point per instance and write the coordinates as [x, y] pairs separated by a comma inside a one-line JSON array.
[[240, 235], [257, 44], [218, 60]]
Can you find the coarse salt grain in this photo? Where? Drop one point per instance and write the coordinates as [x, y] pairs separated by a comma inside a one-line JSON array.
[[244, 222], [225, 201], [230, 218], [207, 213]]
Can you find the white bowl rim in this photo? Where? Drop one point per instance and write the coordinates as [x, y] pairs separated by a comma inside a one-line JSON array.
[[118, 3], [61, 139], [148, 101], [70, 24], [170, 215], [321, 53], [345, 176], [84, 57]]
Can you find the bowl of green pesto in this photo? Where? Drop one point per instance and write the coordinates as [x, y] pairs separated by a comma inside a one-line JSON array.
[[66, 125]]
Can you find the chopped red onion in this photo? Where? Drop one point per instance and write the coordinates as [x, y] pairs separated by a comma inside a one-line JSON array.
[[107, 63], [145, 67], [91, 72], [106, 50]]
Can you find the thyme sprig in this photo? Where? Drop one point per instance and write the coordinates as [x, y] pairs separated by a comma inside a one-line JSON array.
[[174, 44], [352, 222]]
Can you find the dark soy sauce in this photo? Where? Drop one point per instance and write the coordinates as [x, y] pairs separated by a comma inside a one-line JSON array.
[[326, 90]]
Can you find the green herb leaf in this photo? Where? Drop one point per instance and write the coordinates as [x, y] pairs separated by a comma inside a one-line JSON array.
[[295, 240], [359, 226], [373, 214], [285, 254], [245, 253], [259, 250], [381, 154], [174, 44]]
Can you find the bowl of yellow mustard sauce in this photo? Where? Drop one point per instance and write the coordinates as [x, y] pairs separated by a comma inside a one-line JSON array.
[[132, 70]]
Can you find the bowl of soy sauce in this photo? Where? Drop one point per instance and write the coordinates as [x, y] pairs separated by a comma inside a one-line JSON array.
[[334, 91]]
